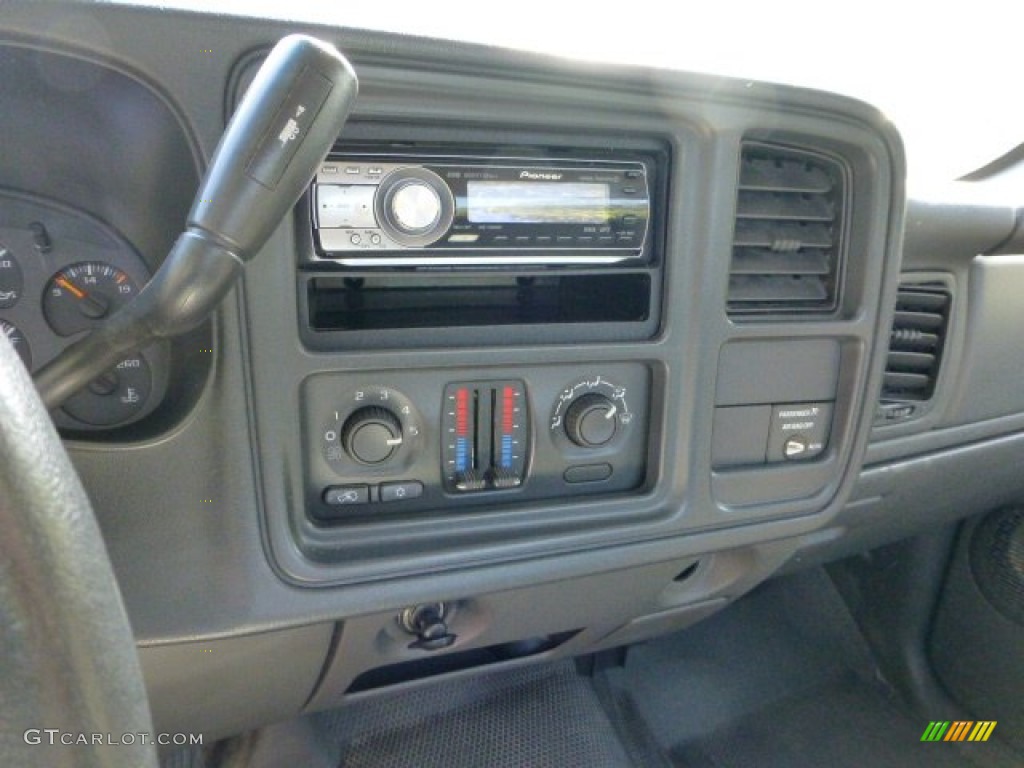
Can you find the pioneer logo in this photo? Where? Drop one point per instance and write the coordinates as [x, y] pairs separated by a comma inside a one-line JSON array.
[[540, 176]]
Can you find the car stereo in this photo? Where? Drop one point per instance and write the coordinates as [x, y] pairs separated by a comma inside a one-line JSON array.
[[453, 210]]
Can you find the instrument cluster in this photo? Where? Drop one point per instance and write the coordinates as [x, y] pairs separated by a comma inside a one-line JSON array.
[[62, 273]]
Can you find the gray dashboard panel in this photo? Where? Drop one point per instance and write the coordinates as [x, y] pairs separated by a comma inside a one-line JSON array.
[[216, 510], [200, 514], [989, 384], [202, 685]]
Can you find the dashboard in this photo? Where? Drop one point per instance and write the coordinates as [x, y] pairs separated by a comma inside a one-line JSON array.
[[548, 358]]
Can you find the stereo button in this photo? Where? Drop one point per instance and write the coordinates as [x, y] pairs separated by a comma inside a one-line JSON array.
[[341, 206]]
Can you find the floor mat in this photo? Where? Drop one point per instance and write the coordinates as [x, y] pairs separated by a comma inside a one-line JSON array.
[[844, 725], [545, 716], [781, 678], [184, 757]]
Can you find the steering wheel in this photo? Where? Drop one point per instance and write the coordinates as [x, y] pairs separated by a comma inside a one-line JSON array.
[[71, 688], [67, 657]]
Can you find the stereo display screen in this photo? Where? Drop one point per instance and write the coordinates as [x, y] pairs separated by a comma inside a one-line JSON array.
[[537, 202]]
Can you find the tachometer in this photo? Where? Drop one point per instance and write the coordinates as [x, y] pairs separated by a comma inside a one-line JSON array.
[[80, 297]]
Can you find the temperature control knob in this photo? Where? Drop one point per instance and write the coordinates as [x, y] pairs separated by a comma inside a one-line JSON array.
[[591, 420], [371, 435]]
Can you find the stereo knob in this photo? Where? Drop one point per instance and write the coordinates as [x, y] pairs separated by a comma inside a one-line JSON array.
[[591, 421], [371, 435], [414, 206]]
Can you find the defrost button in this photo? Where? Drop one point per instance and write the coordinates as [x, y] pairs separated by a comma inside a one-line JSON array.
[[401, 491]]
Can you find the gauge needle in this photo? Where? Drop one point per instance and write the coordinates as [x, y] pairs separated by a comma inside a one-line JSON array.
[[71, 288], [90, 307]]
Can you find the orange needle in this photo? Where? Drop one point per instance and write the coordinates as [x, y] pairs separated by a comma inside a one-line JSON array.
[[69, 287]]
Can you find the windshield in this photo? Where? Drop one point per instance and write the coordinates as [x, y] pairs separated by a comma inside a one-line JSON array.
[[948, 76]]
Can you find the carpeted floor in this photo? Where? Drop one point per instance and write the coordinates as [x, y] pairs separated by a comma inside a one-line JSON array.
[[780, 679]]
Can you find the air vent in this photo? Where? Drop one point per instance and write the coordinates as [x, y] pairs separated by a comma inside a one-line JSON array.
[[915, 350], [787, 245]]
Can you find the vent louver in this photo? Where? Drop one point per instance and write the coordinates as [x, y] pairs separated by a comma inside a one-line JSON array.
[[787, 244], [915, 344]]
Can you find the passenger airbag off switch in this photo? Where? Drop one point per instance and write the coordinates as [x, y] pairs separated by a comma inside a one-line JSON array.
[[799, 431]]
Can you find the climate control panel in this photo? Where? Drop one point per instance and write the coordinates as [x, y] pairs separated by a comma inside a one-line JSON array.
[[371, 435], [591, 413], [415, 442], [372, 427], [485, 428]]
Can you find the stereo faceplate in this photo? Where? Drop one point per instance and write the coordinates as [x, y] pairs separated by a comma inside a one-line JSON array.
[[437, 210]]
